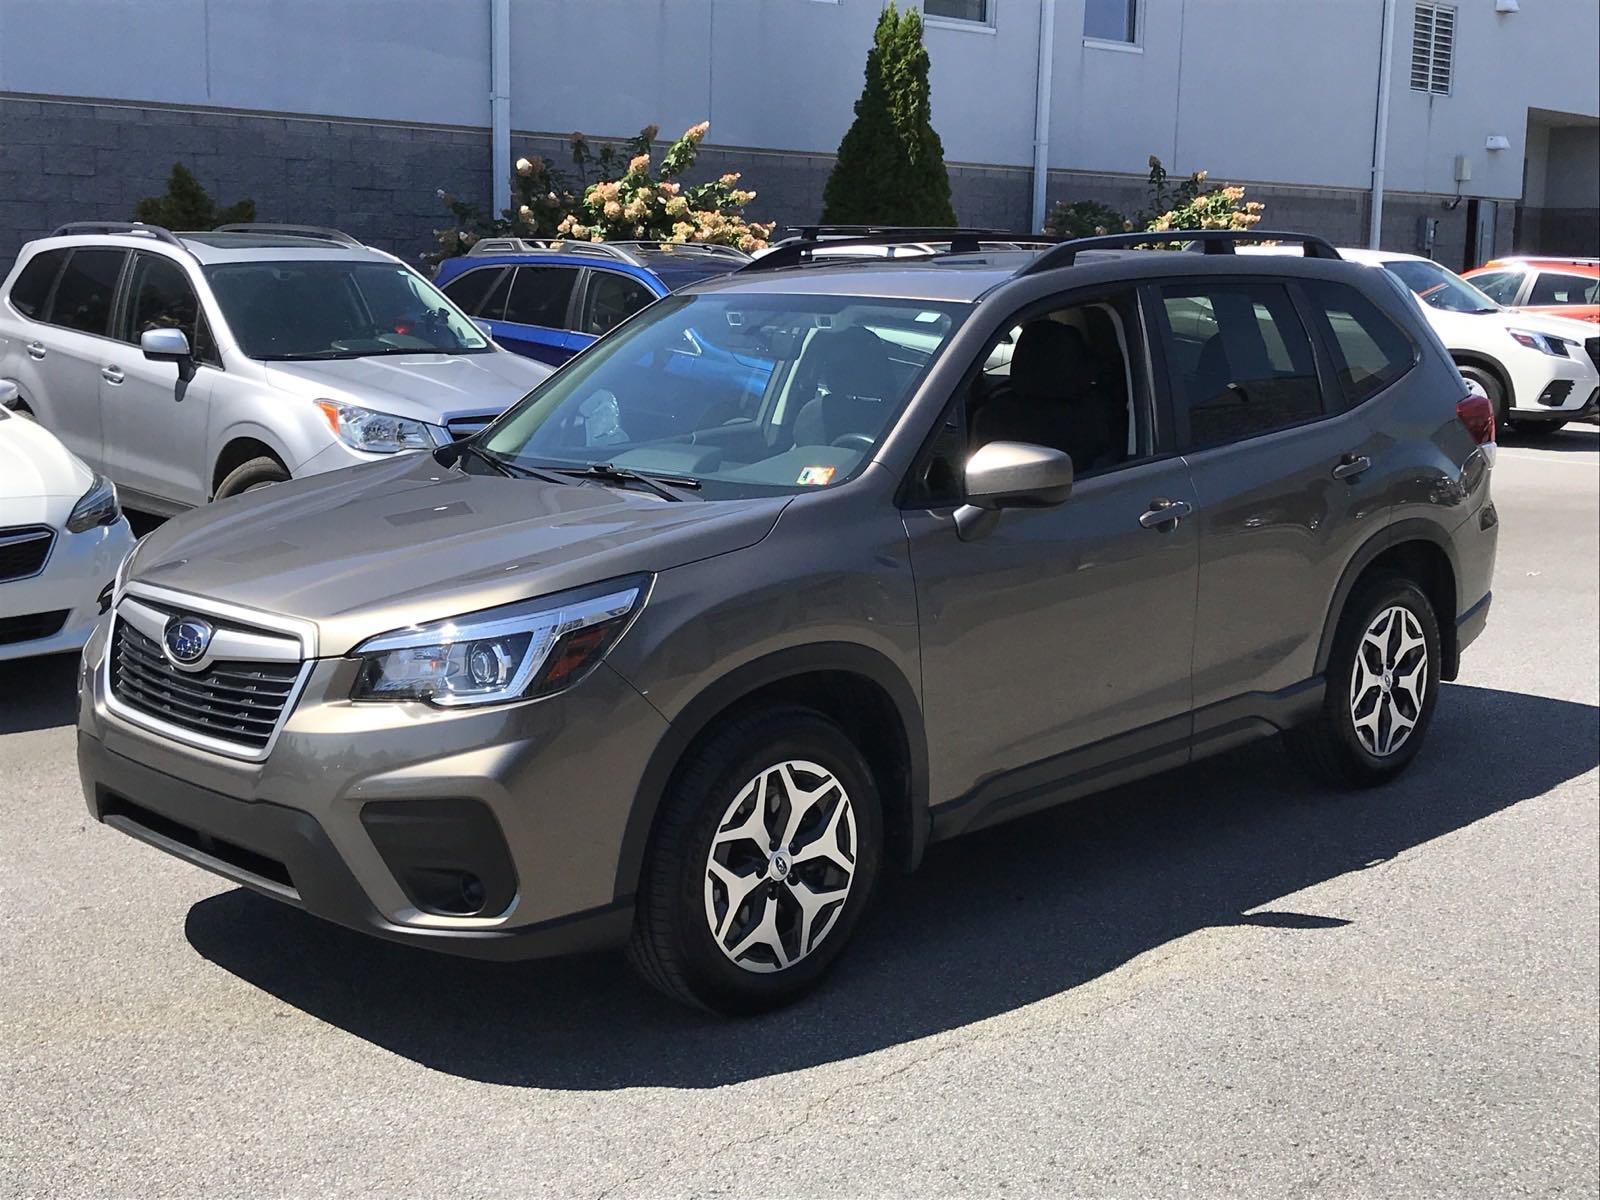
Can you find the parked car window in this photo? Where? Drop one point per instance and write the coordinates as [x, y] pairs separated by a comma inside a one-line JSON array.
[[1369, 350], [611, 299], [1499, 286], [749, 394], [1552, 287], [493, 307], [1438, 287], [539, 296], [470, 290], [32, 289], [1241, 362], [87, 289], [303, 309], [160, 296]]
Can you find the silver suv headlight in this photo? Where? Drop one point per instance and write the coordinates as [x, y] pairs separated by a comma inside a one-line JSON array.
[[500, 654], [379, 433]]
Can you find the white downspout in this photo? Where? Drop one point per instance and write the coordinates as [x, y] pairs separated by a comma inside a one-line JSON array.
[[1041, 110], [1380, 132], [500, 102]]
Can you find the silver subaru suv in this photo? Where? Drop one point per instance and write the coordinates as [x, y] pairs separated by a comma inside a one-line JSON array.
[[794, 573], [198, 365]]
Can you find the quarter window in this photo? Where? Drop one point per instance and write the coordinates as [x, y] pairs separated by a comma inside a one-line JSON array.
[[610, 300], [87, 288], [1240, 360], [1369, 350], [32, 288], [539, 296]]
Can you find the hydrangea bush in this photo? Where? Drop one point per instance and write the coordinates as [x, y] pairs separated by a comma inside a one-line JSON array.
[[1187, 205]]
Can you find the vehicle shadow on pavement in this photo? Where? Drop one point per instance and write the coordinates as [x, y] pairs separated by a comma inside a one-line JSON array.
[[38, 693], [991, 922]]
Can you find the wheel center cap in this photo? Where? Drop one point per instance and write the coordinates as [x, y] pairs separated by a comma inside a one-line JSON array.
[[780, 865], [1388, 681]]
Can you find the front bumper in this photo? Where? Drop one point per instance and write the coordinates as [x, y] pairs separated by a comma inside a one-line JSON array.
[[551, 785], [78, 569]]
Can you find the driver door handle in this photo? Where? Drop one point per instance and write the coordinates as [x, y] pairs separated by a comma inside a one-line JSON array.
[[111, 374], [1164, 514], [1352, 465], [36, 350]]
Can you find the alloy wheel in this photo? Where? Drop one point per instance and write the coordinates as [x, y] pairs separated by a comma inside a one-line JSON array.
[[1389, 681], [780, 867]]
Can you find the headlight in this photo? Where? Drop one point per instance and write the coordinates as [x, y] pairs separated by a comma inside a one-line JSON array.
[[97, 506], [500, 654], [1543, 342], [379, 433]]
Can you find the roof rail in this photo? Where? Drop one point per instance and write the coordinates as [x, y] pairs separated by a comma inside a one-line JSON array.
[[154, 231], [523, 245], [794, 251], [309, 231], [1212, 241], [664, 247]]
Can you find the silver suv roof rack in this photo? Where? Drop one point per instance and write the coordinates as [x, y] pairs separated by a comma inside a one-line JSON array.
[[74, 228], [319, 232], [1210, 241], [627, 252]]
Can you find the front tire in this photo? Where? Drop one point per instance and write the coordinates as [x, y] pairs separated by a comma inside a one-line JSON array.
[[1492, 388], [251, 476], [764, 857], [1382, 686]]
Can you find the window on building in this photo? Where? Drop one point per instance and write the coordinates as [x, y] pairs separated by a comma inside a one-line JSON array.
[[1111, 20], [1369, 350], [86, 290], [977, 11], [1241, 361], [1433, 44]]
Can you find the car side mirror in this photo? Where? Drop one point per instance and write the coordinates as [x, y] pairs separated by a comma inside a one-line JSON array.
[[484, 327], [1011, 475], [165, 345]]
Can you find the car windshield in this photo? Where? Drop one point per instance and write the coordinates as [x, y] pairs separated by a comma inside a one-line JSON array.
[[338, 309], [743, 394], [1439, 287]]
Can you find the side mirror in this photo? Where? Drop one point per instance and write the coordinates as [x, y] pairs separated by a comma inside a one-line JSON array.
[[165, 345], [1011, 475], [484, 327]]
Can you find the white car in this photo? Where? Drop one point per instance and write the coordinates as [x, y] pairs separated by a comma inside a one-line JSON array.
[[62, 538], [1540, 371]]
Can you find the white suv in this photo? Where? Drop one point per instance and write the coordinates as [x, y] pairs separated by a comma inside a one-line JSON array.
[[194, 366]]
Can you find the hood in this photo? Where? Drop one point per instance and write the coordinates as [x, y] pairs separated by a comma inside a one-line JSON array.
[[35, 466], [425, 387], [379, 547], [1543, 322]]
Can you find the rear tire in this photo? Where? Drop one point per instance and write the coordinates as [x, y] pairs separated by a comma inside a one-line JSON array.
[[1382, 686], [257, 473], [731, 919]]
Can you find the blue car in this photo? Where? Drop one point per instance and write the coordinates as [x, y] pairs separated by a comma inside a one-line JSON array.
[[549, 299]]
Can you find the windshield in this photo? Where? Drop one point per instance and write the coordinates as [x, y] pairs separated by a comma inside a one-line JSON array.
[[746, 394], [338, 309], [1440, 288]]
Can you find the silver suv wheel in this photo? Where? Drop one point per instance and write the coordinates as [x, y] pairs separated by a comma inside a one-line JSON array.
[[780, 867], [1389, 681]]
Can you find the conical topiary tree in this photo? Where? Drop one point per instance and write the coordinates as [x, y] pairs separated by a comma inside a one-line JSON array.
[[890, 168], [187, 205]]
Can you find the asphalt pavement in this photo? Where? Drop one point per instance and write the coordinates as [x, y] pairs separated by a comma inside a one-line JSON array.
[[1221, 982]]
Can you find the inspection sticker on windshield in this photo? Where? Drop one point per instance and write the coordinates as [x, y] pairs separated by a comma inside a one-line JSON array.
[[816, 476]]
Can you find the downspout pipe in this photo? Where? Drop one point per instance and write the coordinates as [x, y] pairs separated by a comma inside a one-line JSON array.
[[500, 102], [1380, 131], [1041, 110]]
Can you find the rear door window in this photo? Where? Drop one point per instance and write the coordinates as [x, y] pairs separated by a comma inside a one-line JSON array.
[[471, 289], [610, 299], [1554, 287], [541, 296], [1240, 361], [1369, 350], [32, 289], [87, 290]]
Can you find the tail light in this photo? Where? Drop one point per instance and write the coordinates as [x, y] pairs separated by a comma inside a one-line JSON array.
[[1477, 414]]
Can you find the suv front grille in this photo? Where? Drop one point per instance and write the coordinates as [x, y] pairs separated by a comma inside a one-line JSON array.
[[24, 550], [236, 702]]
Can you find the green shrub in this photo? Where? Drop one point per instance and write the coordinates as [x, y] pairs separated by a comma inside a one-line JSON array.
[[890, 168], [1084, 218], [1183, 206], [187, 205]]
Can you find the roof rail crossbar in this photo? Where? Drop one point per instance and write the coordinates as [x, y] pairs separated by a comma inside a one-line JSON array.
[[526, 245], [791, 252], [321, 232], [158, 232], [1212, 241]]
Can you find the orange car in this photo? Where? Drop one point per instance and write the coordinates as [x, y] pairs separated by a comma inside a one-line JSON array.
[[1563, 287]]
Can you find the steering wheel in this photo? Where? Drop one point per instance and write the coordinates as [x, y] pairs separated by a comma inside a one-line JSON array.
[[853, 441]]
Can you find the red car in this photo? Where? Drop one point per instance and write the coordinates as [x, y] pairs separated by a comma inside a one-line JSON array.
[[1562, 287]]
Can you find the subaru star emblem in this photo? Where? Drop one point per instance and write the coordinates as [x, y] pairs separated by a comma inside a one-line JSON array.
[[187, 639]]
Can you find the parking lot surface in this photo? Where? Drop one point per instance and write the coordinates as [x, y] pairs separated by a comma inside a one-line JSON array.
[[1222, 981]]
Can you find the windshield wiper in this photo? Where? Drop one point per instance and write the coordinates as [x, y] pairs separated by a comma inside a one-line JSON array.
[[506, 467], [659, 484]]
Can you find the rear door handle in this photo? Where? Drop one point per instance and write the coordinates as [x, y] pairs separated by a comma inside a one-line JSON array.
[[1164, 513], [111, 374], [1352, 465], [36, 350]]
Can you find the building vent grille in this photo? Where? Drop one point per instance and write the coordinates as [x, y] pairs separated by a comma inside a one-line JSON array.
[[1433, 48]]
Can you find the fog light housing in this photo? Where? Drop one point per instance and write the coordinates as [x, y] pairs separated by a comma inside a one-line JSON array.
[[448, 856]]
